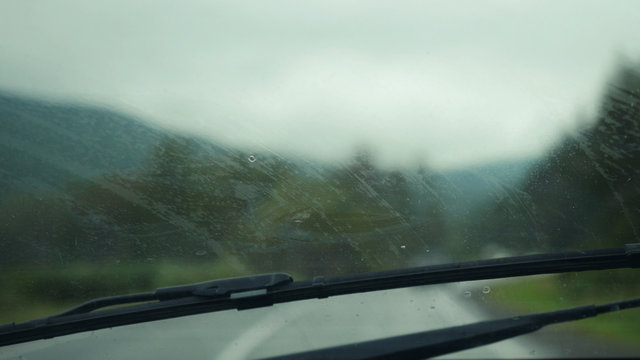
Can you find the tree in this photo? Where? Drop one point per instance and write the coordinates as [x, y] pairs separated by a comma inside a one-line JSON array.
[[350, 219], [587, 189]]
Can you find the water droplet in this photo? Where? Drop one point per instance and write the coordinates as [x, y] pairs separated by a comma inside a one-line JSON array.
[[486, 290], [201, 253], [467, 293], [357, 315], [432, 307], [428, 250], [402, 246], [252, 158]]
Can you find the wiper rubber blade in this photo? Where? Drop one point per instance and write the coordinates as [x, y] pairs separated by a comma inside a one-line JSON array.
[[431, 343], [268, 289]]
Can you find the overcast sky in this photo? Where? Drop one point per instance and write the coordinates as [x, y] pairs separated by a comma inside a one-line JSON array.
[[449, 83]]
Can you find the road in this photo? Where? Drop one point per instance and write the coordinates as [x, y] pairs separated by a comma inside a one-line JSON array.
[[291, 327]]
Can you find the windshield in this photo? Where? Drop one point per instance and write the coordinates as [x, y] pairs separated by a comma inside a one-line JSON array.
[[150, 144]]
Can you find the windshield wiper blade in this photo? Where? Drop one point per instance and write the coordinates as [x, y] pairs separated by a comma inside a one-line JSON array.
[[431, 343], [234, 287], [268, 289]]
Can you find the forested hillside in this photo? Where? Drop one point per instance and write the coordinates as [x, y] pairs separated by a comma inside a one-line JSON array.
[[586, 192], [187, 199]]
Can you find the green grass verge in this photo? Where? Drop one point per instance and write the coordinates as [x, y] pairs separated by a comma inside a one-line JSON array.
[[554, 292], [29, 293]]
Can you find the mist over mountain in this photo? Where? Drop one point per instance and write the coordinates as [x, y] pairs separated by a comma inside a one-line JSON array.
[[44, 145], [464, 190]]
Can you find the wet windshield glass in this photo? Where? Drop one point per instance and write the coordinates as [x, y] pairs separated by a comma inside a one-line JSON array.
[[148, 144]]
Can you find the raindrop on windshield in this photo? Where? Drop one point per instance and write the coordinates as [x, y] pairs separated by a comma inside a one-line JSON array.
[[403, 246], [252, 158], [201, 253], [486, 290], [467, 293]]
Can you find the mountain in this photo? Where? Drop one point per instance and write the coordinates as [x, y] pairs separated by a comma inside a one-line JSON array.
[[43, 144], [121, 186], [128, 189]]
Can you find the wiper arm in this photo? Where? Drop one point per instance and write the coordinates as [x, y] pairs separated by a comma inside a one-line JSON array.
[[266, 290], [431, 343], [234, 287]]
